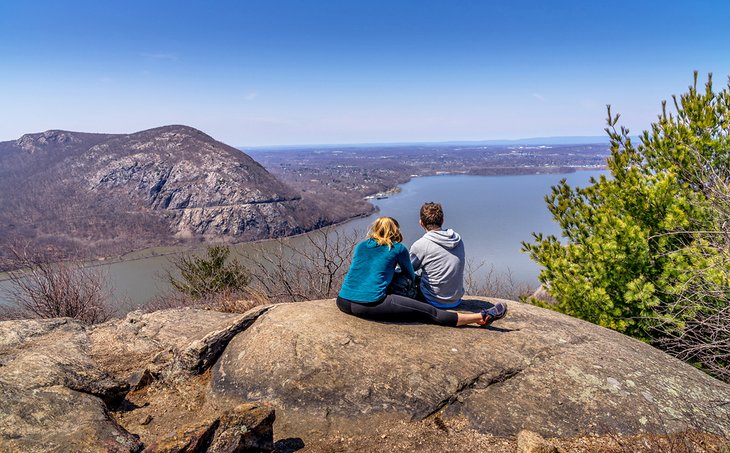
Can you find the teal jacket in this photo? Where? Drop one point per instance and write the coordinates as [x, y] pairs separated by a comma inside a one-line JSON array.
[[372, 270]]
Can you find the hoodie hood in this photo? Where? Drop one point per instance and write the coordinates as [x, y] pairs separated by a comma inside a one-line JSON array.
[[445, 238]]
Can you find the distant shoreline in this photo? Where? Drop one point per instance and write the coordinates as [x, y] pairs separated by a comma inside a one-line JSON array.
[[149, 252], [390, 191], [102, 261]]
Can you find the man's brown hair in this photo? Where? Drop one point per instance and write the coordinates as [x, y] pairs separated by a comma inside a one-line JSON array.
[[432, 216]]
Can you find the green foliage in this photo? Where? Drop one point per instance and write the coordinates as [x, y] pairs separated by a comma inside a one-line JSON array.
[[207, 276], [632, 241]]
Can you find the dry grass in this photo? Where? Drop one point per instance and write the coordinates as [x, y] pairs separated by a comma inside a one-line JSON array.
[[239, 302]]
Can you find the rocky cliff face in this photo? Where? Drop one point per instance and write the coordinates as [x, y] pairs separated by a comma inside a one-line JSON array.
[[191, 380], [202, 186], [146, 188]]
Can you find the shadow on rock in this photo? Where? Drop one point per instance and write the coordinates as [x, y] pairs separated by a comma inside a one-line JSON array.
[[288, 445], [474, 305]]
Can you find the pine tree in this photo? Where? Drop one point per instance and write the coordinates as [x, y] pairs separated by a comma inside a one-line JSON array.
[[207, 276], [635, 241]]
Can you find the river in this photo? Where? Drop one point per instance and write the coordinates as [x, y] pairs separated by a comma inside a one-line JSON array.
[[491, 213]]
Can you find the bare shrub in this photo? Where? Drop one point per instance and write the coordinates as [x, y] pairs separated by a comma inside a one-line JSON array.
[[481, 279], [43, 287], [702, 299], [273, 271], [285, 272], [250, 298]]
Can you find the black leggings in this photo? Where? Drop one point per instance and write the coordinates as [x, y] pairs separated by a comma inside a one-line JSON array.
[[399, 309]]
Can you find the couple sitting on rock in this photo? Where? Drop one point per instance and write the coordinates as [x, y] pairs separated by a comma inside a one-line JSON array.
[[367, 291]]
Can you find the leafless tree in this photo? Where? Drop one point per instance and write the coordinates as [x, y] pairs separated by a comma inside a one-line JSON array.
[[291, 271], [481, 279], [313, 267], [42, 287]]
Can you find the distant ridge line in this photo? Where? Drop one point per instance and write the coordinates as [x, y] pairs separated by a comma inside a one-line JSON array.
[[558, 140]]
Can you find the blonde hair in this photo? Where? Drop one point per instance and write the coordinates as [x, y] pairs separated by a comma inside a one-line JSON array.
[[385, 231]]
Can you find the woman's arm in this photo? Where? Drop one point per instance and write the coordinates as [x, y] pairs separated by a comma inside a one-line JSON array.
[[404, 261]]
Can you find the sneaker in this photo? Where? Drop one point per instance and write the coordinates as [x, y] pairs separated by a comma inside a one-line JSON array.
[[489, 315]]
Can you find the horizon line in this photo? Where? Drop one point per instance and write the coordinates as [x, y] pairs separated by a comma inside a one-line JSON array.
[[545, 140]]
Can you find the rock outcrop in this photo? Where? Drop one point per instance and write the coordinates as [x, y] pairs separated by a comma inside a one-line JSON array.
[[165, 344], [536, 369], [530, 442], [245, 428], [46, 375], [50, 369], [59, 419], [196, 380], [116, 193]]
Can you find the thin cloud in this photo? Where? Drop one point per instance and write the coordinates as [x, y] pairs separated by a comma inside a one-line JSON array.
[[539, 97], [251, 96]]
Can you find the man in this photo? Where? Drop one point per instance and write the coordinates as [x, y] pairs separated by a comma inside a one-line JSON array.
[[439, 255]]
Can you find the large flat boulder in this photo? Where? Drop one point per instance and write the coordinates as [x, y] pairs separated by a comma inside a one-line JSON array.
[[328, 372], [333, 378]]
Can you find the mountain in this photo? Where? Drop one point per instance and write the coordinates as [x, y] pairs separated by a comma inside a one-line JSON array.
[[102, 194]]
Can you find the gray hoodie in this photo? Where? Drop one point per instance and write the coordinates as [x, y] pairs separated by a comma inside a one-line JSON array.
[[440, 257]]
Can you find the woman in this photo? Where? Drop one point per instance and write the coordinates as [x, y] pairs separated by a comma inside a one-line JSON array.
[[363, 293]]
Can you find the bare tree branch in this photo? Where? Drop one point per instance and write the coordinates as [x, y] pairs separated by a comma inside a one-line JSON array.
[[42, 286], [312, 270]]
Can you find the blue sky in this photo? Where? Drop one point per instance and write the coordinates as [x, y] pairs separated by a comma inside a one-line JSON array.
[[273, 72]]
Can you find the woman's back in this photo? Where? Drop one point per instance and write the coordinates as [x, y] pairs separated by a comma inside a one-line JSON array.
[[372, 270]]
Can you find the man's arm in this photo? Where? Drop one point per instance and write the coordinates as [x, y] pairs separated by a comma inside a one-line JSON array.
[[416, 256]]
